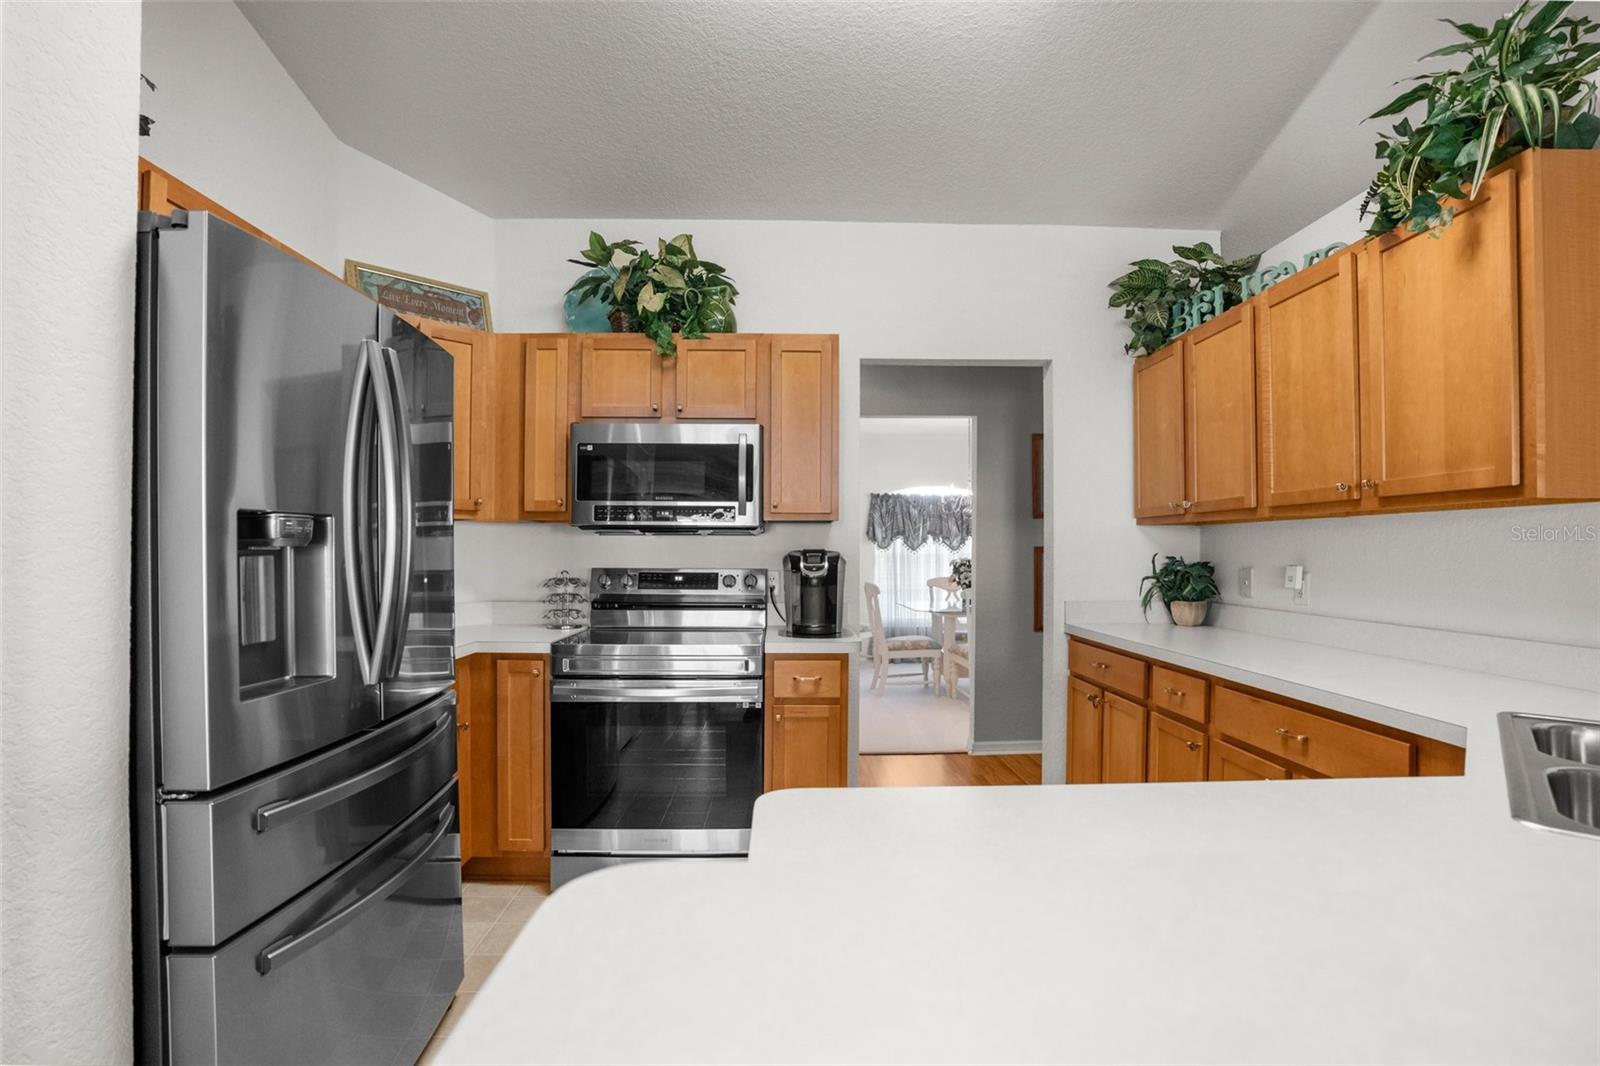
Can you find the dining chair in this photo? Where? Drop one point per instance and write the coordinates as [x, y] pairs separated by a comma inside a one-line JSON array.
[[955, 635], [886, 650]]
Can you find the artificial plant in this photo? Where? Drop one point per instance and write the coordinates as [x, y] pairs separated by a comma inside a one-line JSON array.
[[658, 294], [1147, 292], [1177, 581], [1526, 83]]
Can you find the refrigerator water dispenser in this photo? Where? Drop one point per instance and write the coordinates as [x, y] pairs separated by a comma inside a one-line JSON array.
[[286, 601]]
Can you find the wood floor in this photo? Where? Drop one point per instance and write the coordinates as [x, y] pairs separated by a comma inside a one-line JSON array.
[[905, 770]]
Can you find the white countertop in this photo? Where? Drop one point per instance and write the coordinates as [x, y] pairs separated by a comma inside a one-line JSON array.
[[1380, 919], [501, 638]]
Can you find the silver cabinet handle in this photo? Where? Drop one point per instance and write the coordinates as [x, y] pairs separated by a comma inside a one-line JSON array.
[[405, 513], [282, 951], [355, 586], [272, 814]]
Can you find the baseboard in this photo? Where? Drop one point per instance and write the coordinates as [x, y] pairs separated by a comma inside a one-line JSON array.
[[1007, 747]]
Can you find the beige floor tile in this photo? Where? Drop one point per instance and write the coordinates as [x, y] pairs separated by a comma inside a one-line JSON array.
[[490, 889], [499, 937], [484, 909], [477, 969], [472, 935], [521, 908]]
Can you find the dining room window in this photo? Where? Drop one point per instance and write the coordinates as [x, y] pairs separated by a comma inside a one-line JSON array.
[[916, 536]]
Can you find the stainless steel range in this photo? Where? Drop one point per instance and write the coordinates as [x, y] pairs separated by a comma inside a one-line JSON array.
[[656, 719]]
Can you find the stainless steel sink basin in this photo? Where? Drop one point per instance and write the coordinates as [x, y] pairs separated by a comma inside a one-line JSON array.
[[1572, 741], [1553, 771]]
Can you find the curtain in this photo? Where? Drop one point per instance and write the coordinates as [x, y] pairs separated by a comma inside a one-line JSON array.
[[903, 575], [917, 520]]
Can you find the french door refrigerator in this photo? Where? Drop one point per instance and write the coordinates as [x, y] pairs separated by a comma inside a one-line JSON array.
[[297, 885]]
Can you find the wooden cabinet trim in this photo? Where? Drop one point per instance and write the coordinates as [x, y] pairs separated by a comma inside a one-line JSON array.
[[1175, 750], [1124, 725], [1084, 732], [1308, 739], [802, 429], [1181, 694], [522, 756], [726, 390], [1106, 668], [549, 407], [619, 376], [1210, 396], [1158, 434], [1252, 767]]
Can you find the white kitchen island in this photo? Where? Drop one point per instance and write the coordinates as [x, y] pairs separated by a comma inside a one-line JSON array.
[[1392, 919]]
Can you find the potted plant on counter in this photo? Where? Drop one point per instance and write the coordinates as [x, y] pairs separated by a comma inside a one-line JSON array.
[[1186, 588]]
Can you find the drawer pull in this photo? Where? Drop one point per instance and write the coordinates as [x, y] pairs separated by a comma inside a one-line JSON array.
[[1176, 693], [1095, 701], [1192, 745], [1298, 738], [1341, 487], [1102, 666], [813, 678]]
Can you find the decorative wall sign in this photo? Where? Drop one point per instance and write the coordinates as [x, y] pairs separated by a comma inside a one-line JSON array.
[[421, 296], [1206, 305]]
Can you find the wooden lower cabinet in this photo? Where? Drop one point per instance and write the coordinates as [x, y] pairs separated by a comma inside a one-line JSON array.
[[806, 722], [1175, 751], [1229, 763], [1124, 726], [1084, 727], [503, 767]]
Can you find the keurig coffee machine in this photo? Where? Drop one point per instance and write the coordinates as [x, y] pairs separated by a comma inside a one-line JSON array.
[[813, 580]]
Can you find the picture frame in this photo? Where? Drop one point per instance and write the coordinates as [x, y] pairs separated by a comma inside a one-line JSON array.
[[414, 294], [1038, 474]]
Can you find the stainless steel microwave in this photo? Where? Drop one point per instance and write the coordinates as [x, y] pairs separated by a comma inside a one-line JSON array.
[[678, 477]]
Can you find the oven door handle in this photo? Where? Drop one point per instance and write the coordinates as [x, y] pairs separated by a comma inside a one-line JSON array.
[[635, 691]]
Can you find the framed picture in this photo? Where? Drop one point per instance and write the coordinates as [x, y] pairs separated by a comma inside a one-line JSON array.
[[1038, 590], [1038, 475], [423, 297]]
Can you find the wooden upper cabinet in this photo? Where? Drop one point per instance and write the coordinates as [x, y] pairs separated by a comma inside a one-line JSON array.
[[1177, 752], [716, 378], [1124, 740], [521, 771], [546, 425], [1158, 469], [619, 375], [802, 445], [1310, 415], [473, 353], [804, 745], [1084, 720], [1220, 413], [1441, 381]]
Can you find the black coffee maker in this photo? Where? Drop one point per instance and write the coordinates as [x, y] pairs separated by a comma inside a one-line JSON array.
[[813, 582]]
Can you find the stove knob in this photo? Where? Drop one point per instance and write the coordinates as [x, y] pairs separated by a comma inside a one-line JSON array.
[[750, 581], [604, 581], [728, 581], [627, 581]]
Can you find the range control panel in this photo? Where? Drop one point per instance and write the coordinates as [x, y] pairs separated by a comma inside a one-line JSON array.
[[690, 583]]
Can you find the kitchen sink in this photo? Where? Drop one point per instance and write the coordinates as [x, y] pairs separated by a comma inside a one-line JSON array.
[[1553, 771], [1573, 741]]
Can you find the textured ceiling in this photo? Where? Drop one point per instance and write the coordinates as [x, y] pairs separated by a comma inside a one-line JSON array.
[[1150, 113]]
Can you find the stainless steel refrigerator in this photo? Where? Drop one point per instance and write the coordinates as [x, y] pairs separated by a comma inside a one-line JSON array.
[[297, 885]]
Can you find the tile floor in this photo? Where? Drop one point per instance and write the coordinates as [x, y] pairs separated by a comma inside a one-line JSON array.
[[492, 914]]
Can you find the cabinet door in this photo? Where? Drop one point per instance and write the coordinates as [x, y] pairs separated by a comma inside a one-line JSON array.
[[546, 424], [465, 782], [1084, 718], [521, 708], [471, 351], [1220, 413], [1177, 752], [802, 443], [1158, 472], [716, 378], [619, 377], [1310, 367], [1442, 351], [1124, 740], [1229, 763], [805, 746]]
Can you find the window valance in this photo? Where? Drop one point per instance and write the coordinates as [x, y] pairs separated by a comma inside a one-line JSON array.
[[916, 519]]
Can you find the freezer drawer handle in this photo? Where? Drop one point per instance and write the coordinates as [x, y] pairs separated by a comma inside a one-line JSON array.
[[289, 947], [272, 814]]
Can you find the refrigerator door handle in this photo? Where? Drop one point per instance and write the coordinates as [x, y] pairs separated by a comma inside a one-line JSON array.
[[282, 951], [271, 814], [360, 388], [391, 535], [406, 512]]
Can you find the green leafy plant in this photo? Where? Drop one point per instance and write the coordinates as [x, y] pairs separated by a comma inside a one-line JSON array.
[[1176, 581], [1147, 293], [671, 290], [1526, 83]]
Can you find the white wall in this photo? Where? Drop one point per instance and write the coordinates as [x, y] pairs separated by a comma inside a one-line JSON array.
[[230, 122], [67, 154], [942, 293]]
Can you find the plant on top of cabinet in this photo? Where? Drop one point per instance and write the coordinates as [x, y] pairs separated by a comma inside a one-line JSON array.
[[1161, 300], [658, 294], [1527, 83], [1186, 588]]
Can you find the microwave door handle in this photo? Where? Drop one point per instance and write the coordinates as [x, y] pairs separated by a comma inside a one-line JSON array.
[[744, 454], [389, 512], [354, 509], [405, 512]]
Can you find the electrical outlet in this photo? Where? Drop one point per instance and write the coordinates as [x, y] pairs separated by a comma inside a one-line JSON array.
[[1247, 580], [1293, 576], [1302, 595]]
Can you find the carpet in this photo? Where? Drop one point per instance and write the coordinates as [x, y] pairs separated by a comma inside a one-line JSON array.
[[904, 718]]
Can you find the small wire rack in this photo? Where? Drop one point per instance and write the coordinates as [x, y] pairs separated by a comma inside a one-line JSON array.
[[567, 600]]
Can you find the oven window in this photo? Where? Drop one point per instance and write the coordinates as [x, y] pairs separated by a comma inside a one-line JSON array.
[[654, 765], [666, 472]]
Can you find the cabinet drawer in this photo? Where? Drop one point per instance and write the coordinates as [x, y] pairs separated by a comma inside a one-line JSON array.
[[806, 679], [1123, 673], [1327, 746], [1177, 692]]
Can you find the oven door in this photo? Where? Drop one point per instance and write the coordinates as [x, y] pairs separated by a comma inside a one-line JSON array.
[[637, 475], [654, 768]]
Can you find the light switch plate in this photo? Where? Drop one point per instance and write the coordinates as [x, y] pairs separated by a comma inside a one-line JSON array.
[[1247, 580]]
